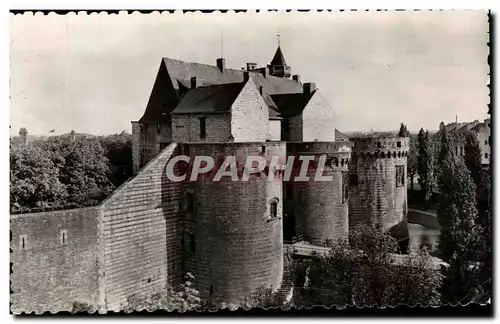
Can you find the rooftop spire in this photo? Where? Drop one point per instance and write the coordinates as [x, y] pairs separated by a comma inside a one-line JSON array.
[[278, 65]]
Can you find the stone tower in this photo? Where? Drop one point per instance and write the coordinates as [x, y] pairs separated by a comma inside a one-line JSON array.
[[377, 184], [320, 208], [278, 67]]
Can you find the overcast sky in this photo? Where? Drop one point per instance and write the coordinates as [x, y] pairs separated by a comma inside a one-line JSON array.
[[94, 73]]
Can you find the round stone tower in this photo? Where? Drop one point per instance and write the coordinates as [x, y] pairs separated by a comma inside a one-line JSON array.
[[233, 230], [377, 183], [320, 206]]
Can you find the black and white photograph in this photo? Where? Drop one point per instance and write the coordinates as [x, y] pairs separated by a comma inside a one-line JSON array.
[[204, 161]]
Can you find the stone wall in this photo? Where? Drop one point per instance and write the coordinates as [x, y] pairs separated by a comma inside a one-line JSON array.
[[238, 247], [138, 143], [55, 260], [186, 128], [141, 234], [318, 119], [249, 115], [374, 196], [320, 208], [275, 130]]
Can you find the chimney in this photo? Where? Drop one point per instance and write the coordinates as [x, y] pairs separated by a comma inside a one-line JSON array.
[[246, 76], [194, 83], [309, 87], [221, 64], [296, 78], [251, 66], [264, 71]]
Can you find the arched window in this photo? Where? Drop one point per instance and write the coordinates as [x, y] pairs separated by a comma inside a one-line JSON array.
[[273, 208]]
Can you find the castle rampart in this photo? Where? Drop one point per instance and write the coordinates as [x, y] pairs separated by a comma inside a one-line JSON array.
[[320, 208], [377, 183], [233, 229]]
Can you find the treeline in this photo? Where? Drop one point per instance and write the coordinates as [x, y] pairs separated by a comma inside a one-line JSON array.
[[462, 190], [62, 172]]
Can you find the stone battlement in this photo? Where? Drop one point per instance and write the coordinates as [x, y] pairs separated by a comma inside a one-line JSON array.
[[380, 147]]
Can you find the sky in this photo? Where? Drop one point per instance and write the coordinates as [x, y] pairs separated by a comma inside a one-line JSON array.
[[94, 73]]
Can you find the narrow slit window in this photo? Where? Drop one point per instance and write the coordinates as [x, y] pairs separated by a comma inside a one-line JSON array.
[[400, 175], [344, 186], [190, 202], [63, 237], [203, 127], [23, 242]]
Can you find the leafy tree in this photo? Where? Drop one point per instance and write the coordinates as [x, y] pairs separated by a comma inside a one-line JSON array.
[[118, 150], [23, 131], [472, 158], [424, 165], [403, 131], [457, 216], [34, 180], [362, 271], [412, 160], [185, 298]]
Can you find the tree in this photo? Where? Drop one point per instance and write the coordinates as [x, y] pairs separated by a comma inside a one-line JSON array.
[[362, 270], [457, 216], [482, 180], [23, 131], [118, 151], [185, 298], [472, 158], [424, 165], [403, 131], [34, 180], [412, 160]]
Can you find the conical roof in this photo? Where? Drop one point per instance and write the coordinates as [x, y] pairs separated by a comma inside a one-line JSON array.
[[278, 58]]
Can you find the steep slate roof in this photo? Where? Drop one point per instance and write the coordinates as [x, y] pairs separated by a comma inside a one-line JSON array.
[[291, 104], [278, 58], [181, 72], [209, 99]]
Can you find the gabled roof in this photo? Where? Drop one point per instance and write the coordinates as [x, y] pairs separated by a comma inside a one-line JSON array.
[[174, 80], [291, 104], [209, 99], [278, 58], [181, 72]]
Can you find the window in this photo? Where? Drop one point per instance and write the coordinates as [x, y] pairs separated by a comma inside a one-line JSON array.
[[461, 150], [486, 142], [189, 242], [344, 186], [353, 179], [203, 127], [192, 243], [63, 237], [190, 202], [23, 242], [286, 126], [211, 290], [400, 175], [398, 144], [485, 155], [273, 209]]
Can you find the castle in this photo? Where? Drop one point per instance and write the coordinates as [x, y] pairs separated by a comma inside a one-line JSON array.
[[150, 231]]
